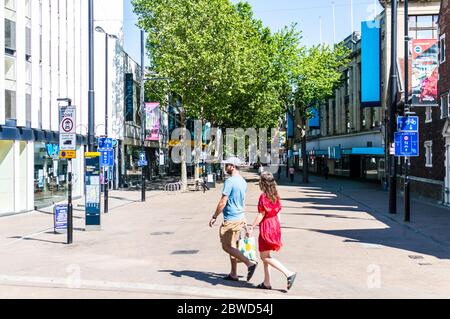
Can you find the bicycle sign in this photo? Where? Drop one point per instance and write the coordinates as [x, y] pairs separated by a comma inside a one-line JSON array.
[[408, 123]]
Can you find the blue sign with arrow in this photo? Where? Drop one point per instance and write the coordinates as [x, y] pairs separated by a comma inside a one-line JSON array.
[[142, 160], [408, 123]]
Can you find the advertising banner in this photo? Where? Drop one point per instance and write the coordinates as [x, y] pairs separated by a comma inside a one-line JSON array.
[[152, 120], [370, 63], [425, 67], [129, 97]]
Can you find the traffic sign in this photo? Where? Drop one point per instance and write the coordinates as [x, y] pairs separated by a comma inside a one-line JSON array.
[[142, 160], [67, 128], [68, 154], [407, 144], [408, 124], [106, 157], [105, 143]]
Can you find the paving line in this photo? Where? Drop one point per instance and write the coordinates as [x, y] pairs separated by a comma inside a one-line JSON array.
[[27, 236], [69, 283]]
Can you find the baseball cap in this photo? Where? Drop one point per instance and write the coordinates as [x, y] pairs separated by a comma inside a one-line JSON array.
[[233, 161]]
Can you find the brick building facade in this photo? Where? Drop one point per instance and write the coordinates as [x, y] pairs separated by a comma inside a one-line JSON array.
[[444, 88]]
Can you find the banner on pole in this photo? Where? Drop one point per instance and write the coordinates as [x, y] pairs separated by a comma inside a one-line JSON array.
[[152, 120], [425, 68]]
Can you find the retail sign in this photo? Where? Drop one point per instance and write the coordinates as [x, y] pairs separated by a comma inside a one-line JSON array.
[[60, 219], [407, 144], [52, 150], [92, 189], [425, 68], [68, 154], [67, 128]]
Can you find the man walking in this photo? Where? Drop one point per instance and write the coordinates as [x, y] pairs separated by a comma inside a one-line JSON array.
[[232, 206]]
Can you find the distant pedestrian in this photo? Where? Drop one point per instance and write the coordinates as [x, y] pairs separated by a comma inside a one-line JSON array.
[[260, 169], [326, 171], [232, 205], [292, 174], [268, 220], [279, 172]]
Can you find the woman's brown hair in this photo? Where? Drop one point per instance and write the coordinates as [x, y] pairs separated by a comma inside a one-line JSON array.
[[268, 185]]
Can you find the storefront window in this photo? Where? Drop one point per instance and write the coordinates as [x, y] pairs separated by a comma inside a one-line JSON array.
[[343, 167], [50, 182]]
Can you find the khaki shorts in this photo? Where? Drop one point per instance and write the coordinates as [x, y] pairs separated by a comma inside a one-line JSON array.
[[229, 233]]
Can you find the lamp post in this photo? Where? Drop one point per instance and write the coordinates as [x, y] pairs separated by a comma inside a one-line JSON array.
[[91, 93], [105, 169], [392, 110]]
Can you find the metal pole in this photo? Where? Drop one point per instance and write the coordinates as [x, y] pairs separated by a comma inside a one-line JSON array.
[[91, 101], [143, 113], [69, 206], [69, 200], [407, 197], [106, 186], [392, 114]]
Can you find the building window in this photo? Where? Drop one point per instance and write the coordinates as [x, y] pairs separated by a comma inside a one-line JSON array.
[[428, 154], [10, 105], [10, 37], [423, 27], [442, 48], [428, 114], [28, 44], [445, 106]]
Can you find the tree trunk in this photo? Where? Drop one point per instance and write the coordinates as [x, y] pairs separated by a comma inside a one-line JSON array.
[[304, 154], [183, 155]]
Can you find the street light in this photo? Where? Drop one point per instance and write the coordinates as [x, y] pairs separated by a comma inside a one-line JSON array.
[[105, 171]]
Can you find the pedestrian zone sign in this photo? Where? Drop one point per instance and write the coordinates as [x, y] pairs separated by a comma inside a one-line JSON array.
[[407, 144]]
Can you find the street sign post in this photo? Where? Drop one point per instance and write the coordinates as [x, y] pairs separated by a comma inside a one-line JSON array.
[[408, 124], [92, 187], [67, 148], [106, 149], [67, 128], [142, 160], [407, 144]]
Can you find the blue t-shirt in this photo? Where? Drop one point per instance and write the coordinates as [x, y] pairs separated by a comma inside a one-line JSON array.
[[235, 188]]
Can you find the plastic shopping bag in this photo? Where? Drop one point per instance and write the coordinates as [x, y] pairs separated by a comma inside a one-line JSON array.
[[247, 246]]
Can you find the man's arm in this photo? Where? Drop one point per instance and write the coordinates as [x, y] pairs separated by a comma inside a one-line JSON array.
[[220, 207]]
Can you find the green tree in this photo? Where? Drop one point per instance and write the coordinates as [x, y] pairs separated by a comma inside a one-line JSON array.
[[318, 73]]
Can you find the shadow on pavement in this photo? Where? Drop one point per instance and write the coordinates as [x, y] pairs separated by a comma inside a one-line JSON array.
[[389, 237], [395, 235], [212, 278], [35, 239]]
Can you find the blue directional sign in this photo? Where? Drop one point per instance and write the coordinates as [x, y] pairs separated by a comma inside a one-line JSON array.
[[104, 142], [408, 123], [407, 144], [106, 157], [142, 160]]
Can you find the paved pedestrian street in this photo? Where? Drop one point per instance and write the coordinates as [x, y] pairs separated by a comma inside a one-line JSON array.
[[163, 248]]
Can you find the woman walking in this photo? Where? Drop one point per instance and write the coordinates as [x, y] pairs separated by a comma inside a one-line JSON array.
[[268, 220]]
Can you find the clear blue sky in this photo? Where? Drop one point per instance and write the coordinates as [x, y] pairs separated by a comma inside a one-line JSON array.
[[278, 13]]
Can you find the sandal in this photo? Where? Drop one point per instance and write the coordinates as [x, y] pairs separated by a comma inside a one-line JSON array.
[[230, 278], [263, 286], [251, 271], [290, 281]]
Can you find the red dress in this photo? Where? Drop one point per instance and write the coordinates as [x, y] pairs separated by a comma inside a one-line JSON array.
[[269, 228]]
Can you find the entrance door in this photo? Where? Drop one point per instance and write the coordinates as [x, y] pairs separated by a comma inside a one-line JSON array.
[[355, 167]]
